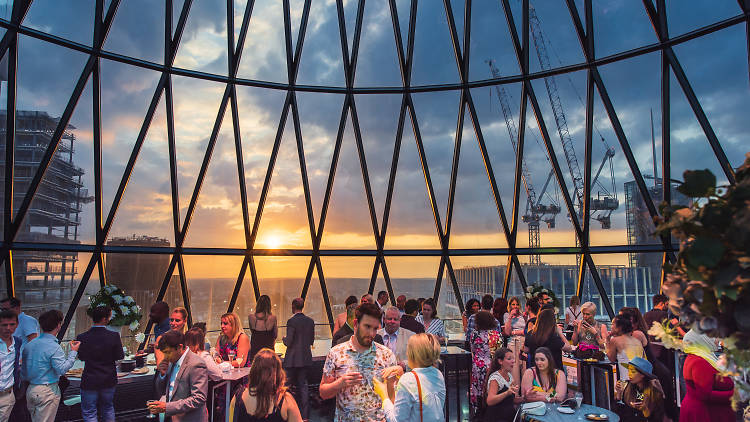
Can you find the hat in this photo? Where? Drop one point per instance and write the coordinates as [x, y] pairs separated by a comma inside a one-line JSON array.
[[643, 366]]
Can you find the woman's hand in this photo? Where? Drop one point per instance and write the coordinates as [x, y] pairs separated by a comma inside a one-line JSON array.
[[393, 372], [513, 389]]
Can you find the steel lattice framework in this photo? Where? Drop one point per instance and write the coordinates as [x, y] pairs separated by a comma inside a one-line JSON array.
[[584, 29]]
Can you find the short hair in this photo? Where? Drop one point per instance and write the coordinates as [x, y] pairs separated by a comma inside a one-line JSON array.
[[350, 300], [100, 312], [382, 294], [14, 302], [430, 301], [195, 337], [160, 306], [487, 302], [370, 309], [49, 320], [485, 321], [533, 304], [411, 305], [298, 304], [391, 309], [659, 299], [8, 315], [171, 339], [624, 323], [201, 325], [589, 306], [423, 350]]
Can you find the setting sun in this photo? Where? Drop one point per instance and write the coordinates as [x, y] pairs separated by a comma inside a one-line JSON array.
[[273, 241]]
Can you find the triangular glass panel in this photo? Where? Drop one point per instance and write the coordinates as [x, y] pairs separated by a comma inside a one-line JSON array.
[[494, 45], [560, 47], [62, 209], [434, 57], [284, 222], [264, 53], [196, 106], [630, 280], [377, 61], [403, 9], [126, 93], [138, 30], [319, 115], [437, 114], [54, 269], [348, 223], [610, 36], [411, 224], [146, 205], [296, 8], [73, 21], [204, 43], [346, 276], [351, 9], [702, 13], [315, 308], [321, 62], [378, 120], [210, 281], [458, 8], [217, 220], [238, 7], [259, 111], [413, 276], [558, 273], [720, 94], [177, 6]]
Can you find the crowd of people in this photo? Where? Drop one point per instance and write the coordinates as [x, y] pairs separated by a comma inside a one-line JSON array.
[[382, 364]]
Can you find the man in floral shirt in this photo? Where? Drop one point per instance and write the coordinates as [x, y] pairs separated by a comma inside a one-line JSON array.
[[351, 366]]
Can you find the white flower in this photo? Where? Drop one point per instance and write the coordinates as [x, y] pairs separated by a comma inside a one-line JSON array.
[[528, 295], [114, 314], [124, 310], [129, 300], [545, 291], [134, 310], [140, 337], [117, 298], [557, 311], [530, 289], [134, 325]]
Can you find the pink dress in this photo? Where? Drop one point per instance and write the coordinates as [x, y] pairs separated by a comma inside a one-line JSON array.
[[708, 395]]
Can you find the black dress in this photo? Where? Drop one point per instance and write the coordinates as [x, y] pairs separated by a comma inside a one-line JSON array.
[[241, 415], [505, 411]]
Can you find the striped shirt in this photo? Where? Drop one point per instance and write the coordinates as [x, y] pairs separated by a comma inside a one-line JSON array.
[[436, 326]]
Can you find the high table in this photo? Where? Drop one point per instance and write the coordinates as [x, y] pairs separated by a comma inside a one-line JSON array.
[[596, 381], [455, 366], [233, 375], [553, 415]]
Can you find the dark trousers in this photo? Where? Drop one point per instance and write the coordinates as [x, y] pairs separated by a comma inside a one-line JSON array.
[[297, 380]]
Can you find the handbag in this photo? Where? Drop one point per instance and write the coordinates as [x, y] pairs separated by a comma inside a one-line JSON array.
[[419, 392], [537, 408]]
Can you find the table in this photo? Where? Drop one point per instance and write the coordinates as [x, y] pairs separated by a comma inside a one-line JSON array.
[[596, 381], [455, 365], [553, 415], [233, 375]]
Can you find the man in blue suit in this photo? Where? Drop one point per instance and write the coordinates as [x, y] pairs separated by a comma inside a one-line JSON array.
[[300, 334], [99, 350]]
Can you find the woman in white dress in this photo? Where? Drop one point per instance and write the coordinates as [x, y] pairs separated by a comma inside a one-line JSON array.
[[573, 312]]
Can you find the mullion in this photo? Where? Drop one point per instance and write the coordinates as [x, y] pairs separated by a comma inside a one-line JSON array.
[[387, 279], [454, 165], [93, 260], [10, 136], [666, 121], [18, 13], [184, 289]]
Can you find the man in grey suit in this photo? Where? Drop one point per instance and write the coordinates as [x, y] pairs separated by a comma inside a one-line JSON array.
[[394, 336], [300, 334], [183, 380]]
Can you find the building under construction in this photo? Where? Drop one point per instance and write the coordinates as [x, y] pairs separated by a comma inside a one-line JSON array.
[[44, 280]]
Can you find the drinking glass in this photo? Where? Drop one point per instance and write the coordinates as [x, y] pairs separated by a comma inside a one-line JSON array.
[[232, 356], [579, 399], [150, 415]]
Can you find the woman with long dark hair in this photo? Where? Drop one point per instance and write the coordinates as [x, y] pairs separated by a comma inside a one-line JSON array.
[[502, 387], [428, 318], [266, 397], [499, 307], [472, 307], [263, 327], [546, 333], [544, 382], [622, 346]]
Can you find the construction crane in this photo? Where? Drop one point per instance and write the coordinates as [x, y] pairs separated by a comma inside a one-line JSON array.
[[606, 201], [535, 210]]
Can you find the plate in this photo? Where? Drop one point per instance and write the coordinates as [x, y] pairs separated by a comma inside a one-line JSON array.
[[597, 417], [139, 371], [151, 362], [566, 410], [122, 374], [74, 373]]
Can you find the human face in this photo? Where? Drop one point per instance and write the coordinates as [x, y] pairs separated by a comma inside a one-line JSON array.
[[226, 326], [588, 316], [176, 321], [508, 361], [514, 306], [475, 307], [635, 376], [427, 310], [541, 361], [7, 327], [546, 298], [365, 330], [400, 302], [392, 321], [366, 299], [173, 354]]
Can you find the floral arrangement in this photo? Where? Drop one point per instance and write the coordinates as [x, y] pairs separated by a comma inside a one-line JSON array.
[[125, 312], [537, 289]]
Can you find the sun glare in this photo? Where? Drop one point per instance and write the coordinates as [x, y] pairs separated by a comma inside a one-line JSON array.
[[273, 241]]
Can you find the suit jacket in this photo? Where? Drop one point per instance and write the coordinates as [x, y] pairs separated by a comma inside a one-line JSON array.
[[411, 324], [402, 338], [100, 348], [188, 401], [300, 334], [19, 386]]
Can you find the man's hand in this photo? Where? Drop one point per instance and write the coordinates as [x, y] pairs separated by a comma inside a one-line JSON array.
[[349, 379], [74, 345], [157, 407], [162, 368]]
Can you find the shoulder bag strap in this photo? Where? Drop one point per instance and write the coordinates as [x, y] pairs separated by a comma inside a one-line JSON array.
[[419, 391]]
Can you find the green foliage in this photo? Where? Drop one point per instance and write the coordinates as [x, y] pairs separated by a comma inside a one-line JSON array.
[[124, 309]]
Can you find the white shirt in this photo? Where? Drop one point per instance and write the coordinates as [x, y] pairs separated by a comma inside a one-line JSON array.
[[7, 363], [214, 372], [575, 314], [500, 380], [390, 340], [175, 370], [406, 408]]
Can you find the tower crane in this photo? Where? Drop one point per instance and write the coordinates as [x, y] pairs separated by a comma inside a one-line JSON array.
[[535, 210]]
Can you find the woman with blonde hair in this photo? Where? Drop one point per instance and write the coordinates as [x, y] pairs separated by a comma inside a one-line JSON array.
[[177, 322], [266, 397], [263, 328], [420, 394], [588, 330], [233, 340]]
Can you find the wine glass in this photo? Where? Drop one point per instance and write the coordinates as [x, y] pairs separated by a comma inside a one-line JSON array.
[[579, 399]]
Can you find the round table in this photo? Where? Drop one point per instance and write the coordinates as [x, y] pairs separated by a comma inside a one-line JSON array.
[[552, 415]]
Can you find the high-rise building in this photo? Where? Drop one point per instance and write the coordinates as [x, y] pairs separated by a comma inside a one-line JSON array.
[[44, 280]]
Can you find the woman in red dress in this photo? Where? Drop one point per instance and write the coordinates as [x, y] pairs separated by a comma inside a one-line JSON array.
[[708, 394]]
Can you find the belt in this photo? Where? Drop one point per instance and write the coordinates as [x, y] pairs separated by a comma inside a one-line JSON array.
[[49, 384], [6, 391]]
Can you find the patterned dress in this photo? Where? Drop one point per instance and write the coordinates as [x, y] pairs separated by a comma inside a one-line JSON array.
[[225, 347], [483, 346], [358, 402]]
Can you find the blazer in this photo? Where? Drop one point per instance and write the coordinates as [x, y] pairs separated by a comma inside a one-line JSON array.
[[300, 335], [402, 339], [19, 386], [410, 323], [188, 402], [99, 350]]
